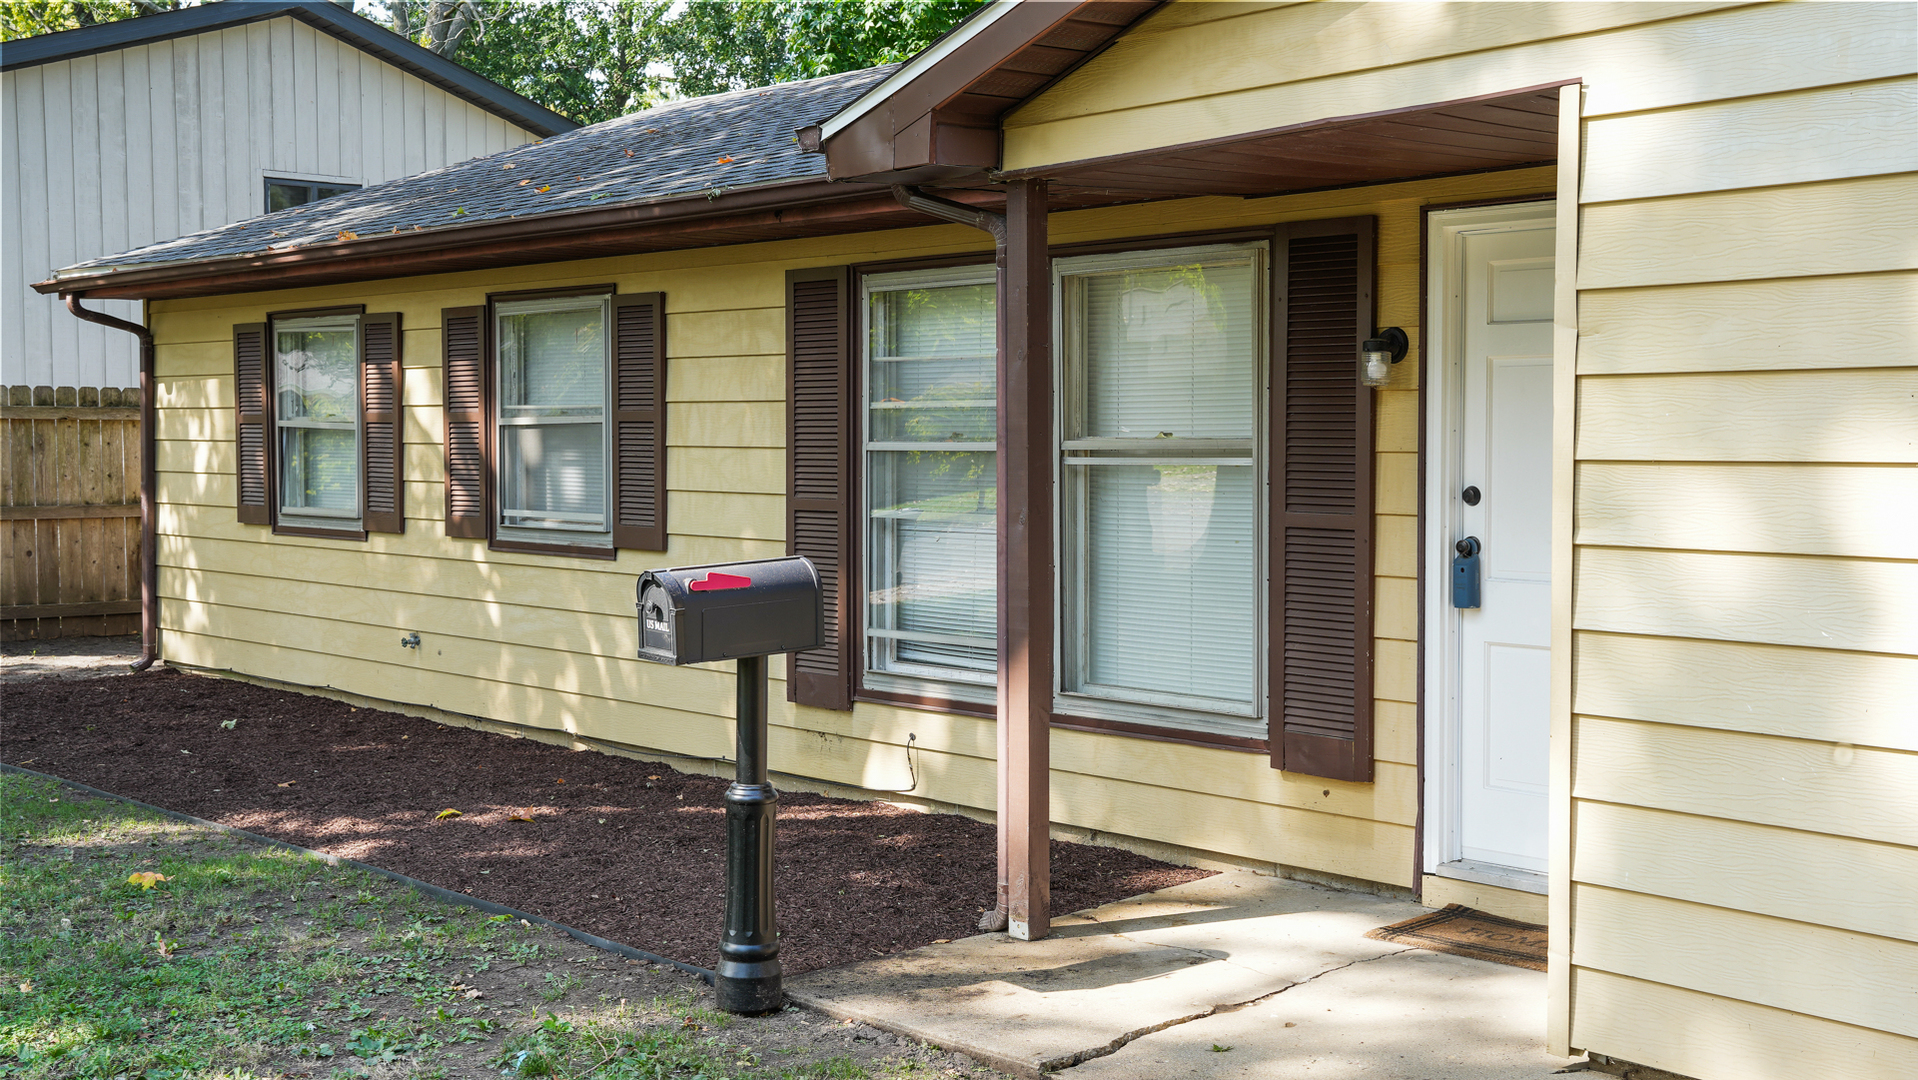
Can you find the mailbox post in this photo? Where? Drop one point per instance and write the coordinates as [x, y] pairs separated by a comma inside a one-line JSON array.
[[742, 612]]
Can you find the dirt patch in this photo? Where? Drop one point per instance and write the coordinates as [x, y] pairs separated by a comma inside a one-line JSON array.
[[624, 849]]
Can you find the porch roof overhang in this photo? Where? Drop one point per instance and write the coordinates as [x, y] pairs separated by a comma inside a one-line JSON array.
[[1504, 130], [936, 120]]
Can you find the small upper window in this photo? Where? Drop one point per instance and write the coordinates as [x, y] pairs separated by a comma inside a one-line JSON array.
[[317, 412], [281, 194]]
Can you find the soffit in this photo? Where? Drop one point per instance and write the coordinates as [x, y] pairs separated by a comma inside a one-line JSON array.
[[1498, 131]]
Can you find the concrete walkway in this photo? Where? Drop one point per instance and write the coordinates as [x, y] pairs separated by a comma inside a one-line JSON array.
[[1234, 976]]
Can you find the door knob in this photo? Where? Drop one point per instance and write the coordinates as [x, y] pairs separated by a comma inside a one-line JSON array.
[[1470, 495], [1467, 547]]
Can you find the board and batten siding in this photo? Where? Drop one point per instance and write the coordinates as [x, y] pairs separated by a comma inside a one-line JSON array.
[[1732, 886], [549, 642], [109, 152]]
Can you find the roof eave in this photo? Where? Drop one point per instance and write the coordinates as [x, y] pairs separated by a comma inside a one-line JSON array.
[[514, 241]]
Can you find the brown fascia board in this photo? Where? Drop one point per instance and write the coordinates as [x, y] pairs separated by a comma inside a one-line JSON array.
[[798, 207], [865, 148]]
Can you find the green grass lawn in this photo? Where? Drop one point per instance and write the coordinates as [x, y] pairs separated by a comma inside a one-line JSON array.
[[246, 962]]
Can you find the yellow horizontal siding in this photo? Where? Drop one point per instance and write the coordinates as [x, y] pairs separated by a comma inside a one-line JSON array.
[[1866, 605], [1703, 1035], [1220, 79], [1848, 977], [1826, 133], [1785, 873], [1849, 321], [1863, 699], [1868, 416], [1851, 226], [1789, 509], [1790, 783]]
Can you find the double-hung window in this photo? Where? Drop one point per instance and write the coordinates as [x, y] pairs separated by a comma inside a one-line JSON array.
[[553, 438], [929, 423], [1161, 370], [317, 419], [317, 403]]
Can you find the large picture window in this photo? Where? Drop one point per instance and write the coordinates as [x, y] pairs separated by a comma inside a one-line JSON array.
[[1161, 372], [930, 424], [552, 433], [316, 381]]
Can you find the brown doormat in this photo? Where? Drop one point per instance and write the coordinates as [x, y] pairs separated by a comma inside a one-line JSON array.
[[1464, 932]]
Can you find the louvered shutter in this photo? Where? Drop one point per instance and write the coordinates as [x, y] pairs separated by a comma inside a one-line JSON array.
[[380, 426], [1321, 501], [468, 473], [819, 471], [252, 399], [639, 421]]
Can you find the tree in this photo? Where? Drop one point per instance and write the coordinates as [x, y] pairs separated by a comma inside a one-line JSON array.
[[592, 60]]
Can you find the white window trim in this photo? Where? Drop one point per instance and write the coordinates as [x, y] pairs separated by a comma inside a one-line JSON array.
[[1131, 706], [574, 536], [314, 517], [906, 678]]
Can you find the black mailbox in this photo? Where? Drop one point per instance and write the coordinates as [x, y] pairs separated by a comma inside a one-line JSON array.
[[693, 614]]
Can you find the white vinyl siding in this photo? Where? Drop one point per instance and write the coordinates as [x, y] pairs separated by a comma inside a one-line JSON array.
[[109, 152]]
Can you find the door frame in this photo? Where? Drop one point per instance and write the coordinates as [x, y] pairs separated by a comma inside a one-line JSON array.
[[1441, 421]]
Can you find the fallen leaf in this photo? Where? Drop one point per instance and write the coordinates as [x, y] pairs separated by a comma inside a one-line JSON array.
[[163, 946], [523, 183], [458, 212], [449, 812], [508, 165], [289, 783], [942, 941], [629, 153], [348, 234], [417, 228], [27, 987], [724, 161], [547, 188], [559, 780], [147, 879], [523, 815], [229, 724]]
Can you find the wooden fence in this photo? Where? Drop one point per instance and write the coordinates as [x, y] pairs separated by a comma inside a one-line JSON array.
[[69, 512]]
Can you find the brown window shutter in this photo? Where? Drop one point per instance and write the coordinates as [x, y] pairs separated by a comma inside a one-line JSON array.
[[380, 426], [819, 471], [1321, 501], [469, 475], [639, 421], [252, 402]]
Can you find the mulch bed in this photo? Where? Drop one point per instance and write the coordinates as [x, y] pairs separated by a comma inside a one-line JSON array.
[[628, 850]]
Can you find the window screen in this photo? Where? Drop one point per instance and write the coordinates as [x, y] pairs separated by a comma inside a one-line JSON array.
[[317, 412], [552, 417], [1160, 550], [931, 507]]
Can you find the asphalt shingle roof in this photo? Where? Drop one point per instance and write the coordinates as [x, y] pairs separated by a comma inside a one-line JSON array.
[[720, 143]]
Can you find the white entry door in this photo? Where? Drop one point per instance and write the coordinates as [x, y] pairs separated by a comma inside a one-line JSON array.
[[1496, 488]]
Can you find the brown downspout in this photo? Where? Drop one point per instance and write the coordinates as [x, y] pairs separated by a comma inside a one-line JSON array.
[[149, 485]]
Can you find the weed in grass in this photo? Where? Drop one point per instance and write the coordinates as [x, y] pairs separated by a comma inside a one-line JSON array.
[[558, 987]]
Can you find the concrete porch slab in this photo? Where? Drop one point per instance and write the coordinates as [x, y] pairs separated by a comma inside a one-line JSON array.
[[1138, 988]]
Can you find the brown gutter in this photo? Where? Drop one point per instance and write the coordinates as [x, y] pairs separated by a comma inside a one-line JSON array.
[[149, 483], [785, 207]]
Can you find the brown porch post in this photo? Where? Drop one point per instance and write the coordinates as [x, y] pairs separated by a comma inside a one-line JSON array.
[[1025, 565]]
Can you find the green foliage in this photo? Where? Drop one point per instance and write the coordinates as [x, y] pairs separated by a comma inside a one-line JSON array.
[[593, 60]]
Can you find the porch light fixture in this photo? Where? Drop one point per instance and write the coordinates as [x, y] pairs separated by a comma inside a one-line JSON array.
[[1379, 352]]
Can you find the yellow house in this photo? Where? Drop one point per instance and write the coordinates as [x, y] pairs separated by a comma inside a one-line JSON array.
[[1453, 450]]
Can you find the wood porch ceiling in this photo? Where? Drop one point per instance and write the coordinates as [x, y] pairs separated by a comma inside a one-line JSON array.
[[1494, 132]]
